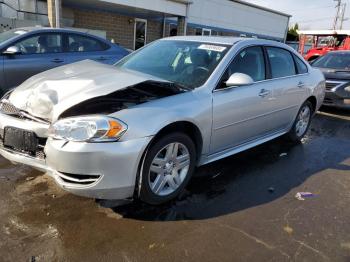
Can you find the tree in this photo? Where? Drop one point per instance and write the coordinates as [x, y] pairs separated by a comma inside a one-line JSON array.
[[293, 33]]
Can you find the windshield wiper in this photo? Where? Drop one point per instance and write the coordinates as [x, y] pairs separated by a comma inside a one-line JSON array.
[[181, 86]]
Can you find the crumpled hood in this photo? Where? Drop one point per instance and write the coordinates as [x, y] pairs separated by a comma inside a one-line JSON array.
[[49, 94]]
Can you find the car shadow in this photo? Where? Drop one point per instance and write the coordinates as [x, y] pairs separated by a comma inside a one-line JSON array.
[[251, 178]]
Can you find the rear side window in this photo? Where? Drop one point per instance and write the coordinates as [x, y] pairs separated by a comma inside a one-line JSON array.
[[251, 62], [281, 61], [79, 43], [301, 67]]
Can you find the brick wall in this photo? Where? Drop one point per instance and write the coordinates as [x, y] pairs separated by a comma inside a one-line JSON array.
[[118, 27], [121, 28], [154, 30]]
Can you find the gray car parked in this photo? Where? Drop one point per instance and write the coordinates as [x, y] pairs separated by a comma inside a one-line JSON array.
[[29, 51], [139, 128]]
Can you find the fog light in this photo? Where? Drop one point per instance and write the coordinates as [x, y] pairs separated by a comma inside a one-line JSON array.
[[347, 101]]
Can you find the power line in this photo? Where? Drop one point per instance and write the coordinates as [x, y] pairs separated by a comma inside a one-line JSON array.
[[317, 19], [310, 8]]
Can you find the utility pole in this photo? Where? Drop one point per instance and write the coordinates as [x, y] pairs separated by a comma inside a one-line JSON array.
[[58, 13], [343, 16], [340, 15]]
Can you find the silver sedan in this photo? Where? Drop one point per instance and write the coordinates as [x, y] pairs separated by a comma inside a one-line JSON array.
[[138, 129]]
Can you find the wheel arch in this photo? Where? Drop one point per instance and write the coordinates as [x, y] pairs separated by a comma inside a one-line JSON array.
[[313, 101], [186, 127]]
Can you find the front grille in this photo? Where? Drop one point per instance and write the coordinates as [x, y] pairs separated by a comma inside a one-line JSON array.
[[39, 152], [330, 85], [328, 101], [8, 109]]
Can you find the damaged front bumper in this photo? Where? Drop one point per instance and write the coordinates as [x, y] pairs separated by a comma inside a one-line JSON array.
[[96, 170]]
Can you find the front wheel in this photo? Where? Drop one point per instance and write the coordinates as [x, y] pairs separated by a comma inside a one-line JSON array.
[[167, 168], [302, 123]]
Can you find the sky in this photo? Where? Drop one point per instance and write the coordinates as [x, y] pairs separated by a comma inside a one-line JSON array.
[[309, 14]]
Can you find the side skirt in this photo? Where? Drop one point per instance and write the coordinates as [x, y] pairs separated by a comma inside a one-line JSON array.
[[237, 149]]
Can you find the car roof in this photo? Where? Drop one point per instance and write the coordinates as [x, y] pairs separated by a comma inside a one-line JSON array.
[[225, 40], [39, 28]]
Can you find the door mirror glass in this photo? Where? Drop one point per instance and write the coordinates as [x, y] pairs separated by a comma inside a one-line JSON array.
[[239, 79], [12, 50]]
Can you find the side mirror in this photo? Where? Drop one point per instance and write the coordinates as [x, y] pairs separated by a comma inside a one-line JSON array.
[[239, 79], [12, 50]]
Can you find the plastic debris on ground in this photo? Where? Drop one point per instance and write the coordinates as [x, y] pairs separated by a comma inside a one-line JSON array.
[[283, 154], [216, 175], [302, 195]]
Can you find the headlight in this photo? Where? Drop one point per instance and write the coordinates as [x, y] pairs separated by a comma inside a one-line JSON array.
[[88, 129], [347, 88]]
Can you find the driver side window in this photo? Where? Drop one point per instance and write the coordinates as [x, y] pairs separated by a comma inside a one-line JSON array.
[[41, 44], [251, 62]]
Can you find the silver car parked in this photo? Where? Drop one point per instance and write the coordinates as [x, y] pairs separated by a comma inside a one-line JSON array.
[[139, 128]]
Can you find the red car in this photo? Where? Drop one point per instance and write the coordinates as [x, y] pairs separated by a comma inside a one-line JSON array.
[[323, 41]]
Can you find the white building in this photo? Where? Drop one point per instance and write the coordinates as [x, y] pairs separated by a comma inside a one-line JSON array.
[[134, 23]]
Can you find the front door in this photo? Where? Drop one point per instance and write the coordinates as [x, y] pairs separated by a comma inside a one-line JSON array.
[[242, 114], [38, 53], [140, 33]]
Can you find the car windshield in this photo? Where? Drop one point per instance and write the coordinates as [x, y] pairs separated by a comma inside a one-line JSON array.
[[186, 63], [334, 61], [11, 34]]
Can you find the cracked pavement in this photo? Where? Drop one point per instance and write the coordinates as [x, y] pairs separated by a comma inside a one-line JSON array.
[[238, 209]]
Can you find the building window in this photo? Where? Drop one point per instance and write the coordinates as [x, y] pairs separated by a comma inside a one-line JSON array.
[[206, 32], [173, 30], [198, 31]]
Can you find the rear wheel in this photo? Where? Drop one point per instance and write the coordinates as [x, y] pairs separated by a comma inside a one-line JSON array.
[[167, 168], [302, 123]]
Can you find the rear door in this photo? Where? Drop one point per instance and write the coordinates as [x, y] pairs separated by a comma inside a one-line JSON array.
[[39, 53], [245, 113], [288, 86], [81, 47]]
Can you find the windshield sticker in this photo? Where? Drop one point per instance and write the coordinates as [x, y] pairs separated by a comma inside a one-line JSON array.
[[20, 32], [215, 48]]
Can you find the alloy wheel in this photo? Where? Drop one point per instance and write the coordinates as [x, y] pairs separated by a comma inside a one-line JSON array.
[[169, 169], [303, 121]]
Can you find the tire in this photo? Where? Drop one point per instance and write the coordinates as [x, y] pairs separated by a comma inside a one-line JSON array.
[[302, 123], [164, 175]]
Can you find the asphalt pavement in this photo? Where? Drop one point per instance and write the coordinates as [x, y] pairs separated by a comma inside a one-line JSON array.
[[242, 208]]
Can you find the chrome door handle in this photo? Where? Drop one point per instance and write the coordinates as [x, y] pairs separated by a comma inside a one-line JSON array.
[[301, 84], [102, 58], [264, 93]]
